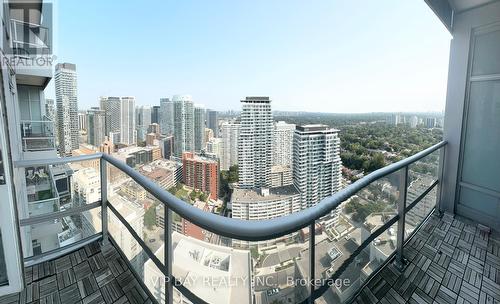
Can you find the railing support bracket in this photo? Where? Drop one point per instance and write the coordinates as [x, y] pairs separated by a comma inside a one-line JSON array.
[[401, 264], [104, 201]]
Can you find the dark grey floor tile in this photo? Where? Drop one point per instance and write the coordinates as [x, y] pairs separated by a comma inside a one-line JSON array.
[[70, 294]]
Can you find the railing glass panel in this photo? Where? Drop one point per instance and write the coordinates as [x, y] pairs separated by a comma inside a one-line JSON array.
[[421, 175], [130, 248], [54, 234], [419, 212], [38, 135], [331, 249], [214, 268], [281, 268], [143, 212], [29, 38], [61, 205], [422, 190], [362, 237], [61, 187]]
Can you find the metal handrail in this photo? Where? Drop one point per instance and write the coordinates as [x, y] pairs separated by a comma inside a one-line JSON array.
[[259, 230], [255, 230], [46, 120]]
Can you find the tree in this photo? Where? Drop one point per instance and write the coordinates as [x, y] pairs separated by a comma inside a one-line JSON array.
[[203, 197], [226, 178], [172, 190], [233, 174], [375, 163], [150, 218], [193, 195]]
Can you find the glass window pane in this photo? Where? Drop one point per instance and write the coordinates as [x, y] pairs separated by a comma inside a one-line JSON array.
[[3, 268], [24, 102], [481, 165], [35, 108], [486, 47]]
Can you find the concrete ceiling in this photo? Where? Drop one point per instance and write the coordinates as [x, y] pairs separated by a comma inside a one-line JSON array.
[[445, 9], [462, 5]]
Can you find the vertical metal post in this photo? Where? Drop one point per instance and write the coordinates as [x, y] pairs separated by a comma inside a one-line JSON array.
[[167, 235], [440, 176], [403, 182], [312, 249], [104, 201]]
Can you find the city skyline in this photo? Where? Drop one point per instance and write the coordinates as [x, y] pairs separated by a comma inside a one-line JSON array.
[[314, 64], [176, 201]]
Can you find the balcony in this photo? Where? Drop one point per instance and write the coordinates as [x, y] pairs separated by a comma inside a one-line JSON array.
[[31, 45], [29, 39], [281, 256], [450, 260], [38, 135], [41, 192]]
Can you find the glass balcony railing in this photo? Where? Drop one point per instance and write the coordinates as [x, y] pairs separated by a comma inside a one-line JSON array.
[[29, 39], [181, 253], [38, 135], [63, 201]]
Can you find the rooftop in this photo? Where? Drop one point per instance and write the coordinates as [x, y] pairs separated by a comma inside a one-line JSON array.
[[256, 98], [218, 263], [162, 164], [245, 195], [198, 158], [315, 128]]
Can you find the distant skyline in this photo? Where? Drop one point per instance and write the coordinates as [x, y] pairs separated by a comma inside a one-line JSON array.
[[333, 56]]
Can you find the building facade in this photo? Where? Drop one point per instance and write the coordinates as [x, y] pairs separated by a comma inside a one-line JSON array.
[[155, 114], [199, 128], [230, 132], [143, 121], [201, 173], [316, 163], [255, 143], [82, 121], [215, 147], [282, 143], [265, 203], [213, 121], [183, 124], [167, 147], [128, 133], [67, 107], [96, 121], [112, 107], [166, 116], [281, 176]]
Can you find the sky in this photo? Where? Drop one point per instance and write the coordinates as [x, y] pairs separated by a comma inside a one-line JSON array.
[[340, 56]]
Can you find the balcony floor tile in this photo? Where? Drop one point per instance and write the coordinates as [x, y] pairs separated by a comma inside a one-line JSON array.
[[450, 261], [91, 275]]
